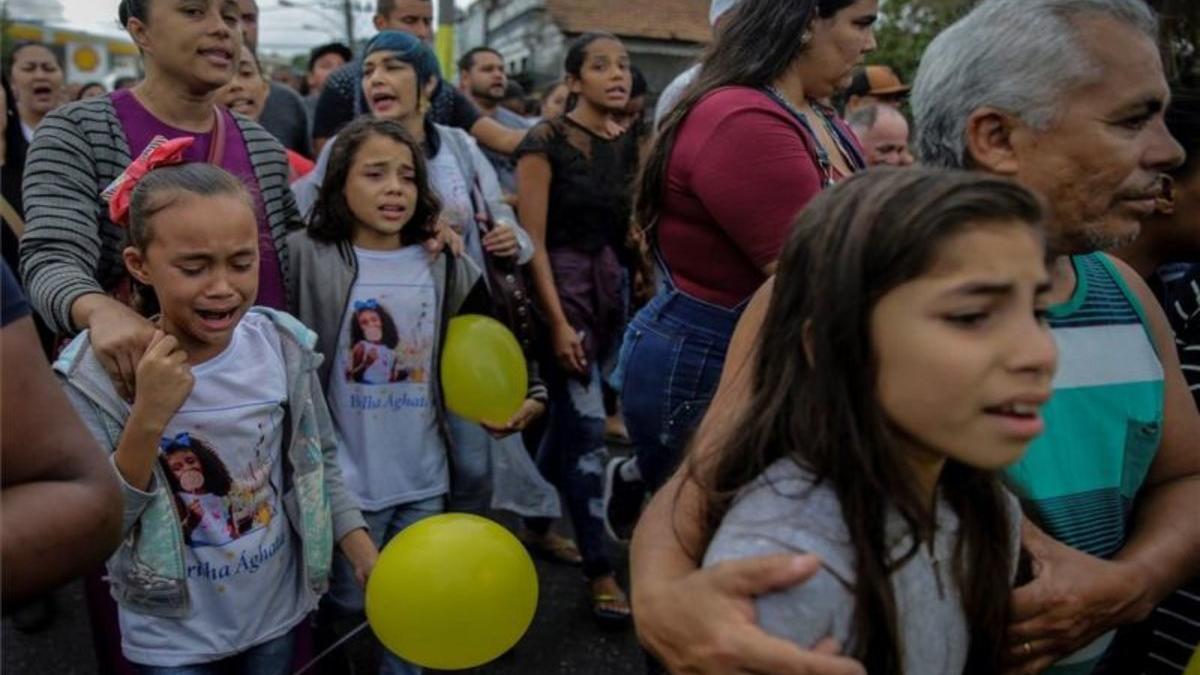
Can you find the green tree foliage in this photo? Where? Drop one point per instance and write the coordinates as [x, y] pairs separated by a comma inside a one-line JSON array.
[[907, 26]]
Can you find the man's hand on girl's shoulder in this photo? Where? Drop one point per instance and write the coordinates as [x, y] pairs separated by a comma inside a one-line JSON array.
[[119, 336], [704, 622]]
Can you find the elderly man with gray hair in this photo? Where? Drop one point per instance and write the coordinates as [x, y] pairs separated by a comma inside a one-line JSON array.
[[1065, 97]]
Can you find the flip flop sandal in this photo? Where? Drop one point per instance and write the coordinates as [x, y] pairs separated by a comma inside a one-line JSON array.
[[609, 614], [552, 548]]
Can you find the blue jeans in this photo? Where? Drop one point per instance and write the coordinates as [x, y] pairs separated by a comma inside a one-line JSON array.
[[670, 364], [270, 658], [345, 596], [470, 467], [572, 457]]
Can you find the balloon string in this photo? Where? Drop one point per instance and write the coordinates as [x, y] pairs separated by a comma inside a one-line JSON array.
[[332, 647]]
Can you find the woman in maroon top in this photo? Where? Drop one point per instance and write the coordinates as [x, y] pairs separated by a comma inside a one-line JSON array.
[[741, 154]]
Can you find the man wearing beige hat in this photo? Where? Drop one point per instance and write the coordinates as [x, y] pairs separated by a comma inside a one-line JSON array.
[[873, 85]]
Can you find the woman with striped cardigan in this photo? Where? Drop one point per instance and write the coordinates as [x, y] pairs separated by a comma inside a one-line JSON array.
[[71, 253]]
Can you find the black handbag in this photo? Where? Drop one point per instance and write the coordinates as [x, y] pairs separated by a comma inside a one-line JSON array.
[[512, 303]]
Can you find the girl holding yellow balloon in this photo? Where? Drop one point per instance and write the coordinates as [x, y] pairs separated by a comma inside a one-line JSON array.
[[380, 304]]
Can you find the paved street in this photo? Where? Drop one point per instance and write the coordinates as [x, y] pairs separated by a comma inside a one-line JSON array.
[[563, 639]]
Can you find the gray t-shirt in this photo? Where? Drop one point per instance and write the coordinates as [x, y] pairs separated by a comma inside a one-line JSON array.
[[782, 511]]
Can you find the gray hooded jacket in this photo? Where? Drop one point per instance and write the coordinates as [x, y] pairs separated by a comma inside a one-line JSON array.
[[148, 571]]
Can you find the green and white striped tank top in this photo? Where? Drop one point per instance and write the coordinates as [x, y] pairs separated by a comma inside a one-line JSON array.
[[1103, 424]]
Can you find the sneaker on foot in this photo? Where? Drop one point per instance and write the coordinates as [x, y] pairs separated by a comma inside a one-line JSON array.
[[623, 500]]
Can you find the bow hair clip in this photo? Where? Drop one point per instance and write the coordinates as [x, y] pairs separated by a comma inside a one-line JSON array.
[[371, 303], [160, 152], [181, 440]]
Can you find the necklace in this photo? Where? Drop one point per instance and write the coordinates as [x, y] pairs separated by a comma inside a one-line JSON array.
[[853, 159]]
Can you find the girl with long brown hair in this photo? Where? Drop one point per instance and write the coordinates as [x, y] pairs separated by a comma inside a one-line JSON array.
[[903, 360]]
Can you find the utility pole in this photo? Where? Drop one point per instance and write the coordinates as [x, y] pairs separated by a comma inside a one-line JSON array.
[[445, 37], [348, 12]]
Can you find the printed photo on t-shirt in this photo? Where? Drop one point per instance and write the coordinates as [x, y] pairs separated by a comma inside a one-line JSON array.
[[214, 507], [381, 352]]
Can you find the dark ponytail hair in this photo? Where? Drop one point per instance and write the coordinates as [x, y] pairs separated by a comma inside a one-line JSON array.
[[576, 56], [756, 42], [333, 221], [818, 406]]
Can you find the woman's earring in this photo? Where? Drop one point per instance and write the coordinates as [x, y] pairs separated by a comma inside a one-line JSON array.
[[806, 37]]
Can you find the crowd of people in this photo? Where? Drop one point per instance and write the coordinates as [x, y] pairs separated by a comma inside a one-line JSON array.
[[900, 398]]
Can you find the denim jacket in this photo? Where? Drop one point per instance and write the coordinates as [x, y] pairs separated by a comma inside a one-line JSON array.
[[147, 573]]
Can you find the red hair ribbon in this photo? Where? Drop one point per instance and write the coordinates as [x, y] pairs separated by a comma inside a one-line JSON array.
[[160, 152]]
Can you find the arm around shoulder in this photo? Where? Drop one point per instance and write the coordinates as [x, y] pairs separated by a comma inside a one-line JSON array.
[[804, 614]]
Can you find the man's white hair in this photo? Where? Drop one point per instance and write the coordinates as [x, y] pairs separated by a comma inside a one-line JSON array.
[[1020, 56]]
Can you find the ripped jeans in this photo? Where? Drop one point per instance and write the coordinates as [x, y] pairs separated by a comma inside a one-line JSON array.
[[572, 457]]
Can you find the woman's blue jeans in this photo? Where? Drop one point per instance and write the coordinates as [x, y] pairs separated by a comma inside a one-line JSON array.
[[670, 364], [572, 457]]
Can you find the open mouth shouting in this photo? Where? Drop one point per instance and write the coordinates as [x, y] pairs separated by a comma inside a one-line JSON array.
[[217, 320], [243, 105], [383, 102], [221, 57], [43, 91], [616, 91]]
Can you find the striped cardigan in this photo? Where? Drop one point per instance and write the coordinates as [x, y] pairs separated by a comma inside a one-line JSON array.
[[70, 247]]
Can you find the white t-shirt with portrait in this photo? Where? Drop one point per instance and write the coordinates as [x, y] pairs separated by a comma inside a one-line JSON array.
[[379, 391], [222, 455]]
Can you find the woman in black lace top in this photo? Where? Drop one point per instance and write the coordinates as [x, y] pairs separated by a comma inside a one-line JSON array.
[[574, 179]]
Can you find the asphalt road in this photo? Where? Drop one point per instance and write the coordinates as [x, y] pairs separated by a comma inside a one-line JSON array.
[[564, 638]]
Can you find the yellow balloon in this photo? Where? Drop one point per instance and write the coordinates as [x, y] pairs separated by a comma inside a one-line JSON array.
[[484, 376], [452, 591]]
